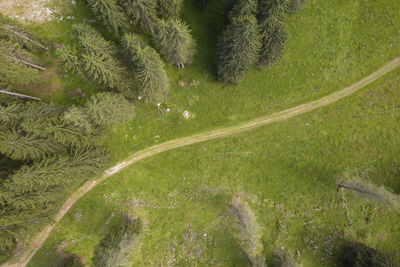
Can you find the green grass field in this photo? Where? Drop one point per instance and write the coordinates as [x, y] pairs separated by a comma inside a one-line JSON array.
[[288, 170], [292, 165]]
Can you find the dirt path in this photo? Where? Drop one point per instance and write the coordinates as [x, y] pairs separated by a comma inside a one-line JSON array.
[[197, 138]]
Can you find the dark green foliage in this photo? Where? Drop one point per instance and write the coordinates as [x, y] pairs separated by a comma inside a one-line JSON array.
[[295, 5], [148, 66], [142, 12], [103, 69], [201, 2], [30, 197], [69, 59], [271, 15], [272, 45], [109, 109], [9, 115], [243, 8], [54, 172], [169, 8], [174, 41], [351, 253], [239, 48], [92, 41], [98, 61], [114, 250], [17, 146], [110, 14]]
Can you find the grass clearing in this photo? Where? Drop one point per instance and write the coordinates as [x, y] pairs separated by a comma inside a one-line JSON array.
[[288, 170]]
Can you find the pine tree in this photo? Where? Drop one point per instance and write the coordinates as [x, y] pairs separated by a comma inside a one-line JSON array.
[[169, 8], [103, 70], [92, 41], [142, 12], [238, 48], [110, 14], [69, 59], [174, 41], [271, 15], [21, 147], [243, 8], [59, 130], [9, 115], [109, 109], [149, 67]]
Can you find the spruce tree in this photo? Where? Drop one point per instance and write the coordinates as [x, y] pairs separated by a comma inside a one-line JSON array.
[[148, 66], [109, 109], [271, 15], [103, 69], [169, 8], [16, 53], [142, 12], [17, 146], [243, 8], [9, 115], [238, 48], [69, 59], [174, 41], [110, 14], [92, 41]]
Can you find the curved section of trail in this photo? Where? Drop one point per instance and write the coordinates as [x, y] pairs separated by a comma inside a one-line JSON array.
[[197, 138]]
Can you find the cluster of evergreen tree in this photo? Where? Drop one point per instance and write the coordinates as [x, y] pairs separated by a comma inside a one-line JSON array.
[[49, 148], [254, 36], [96, 59], [116, 248]]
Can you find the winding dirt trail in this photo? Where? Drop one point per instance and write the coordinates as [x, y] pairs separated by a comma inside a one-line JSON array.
[[38, 241]]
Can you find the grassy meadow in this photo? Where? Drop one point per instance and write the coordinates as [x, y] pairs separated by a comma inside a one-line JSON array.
[[289, 172]]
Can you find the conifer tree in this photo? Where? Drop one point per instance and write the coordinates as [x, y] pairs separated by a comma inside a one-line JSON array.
[[149, 67], [103, 70], [92, 41], [243, 8], [109, 109], [69, 59], [142, 12], [110, 14], [9, 115], [270, 17], [238, 48], [174, 41], [169, 8], [21, 147]]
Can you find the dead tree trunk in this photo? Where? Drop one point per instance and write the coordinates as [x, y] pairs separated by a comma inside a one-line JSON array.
[[27, 63], [28, 39], [19, 95]]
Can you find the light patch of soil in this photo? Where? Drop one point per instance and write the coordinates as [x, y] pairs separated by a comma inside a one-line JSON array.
[[27, 11]]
